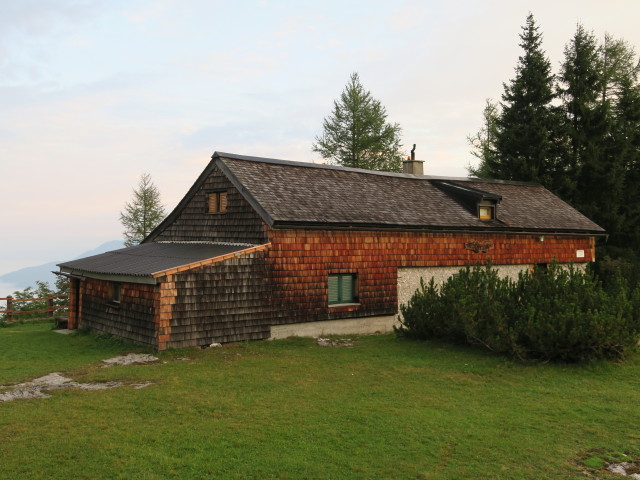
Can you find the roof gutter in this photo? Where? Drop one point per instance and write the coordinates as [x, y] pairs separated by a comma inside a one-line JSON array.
[[68, 275]]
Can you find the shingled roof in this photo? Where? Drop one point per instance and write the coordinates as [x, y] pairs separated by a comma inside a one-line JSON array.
[[289, 194]]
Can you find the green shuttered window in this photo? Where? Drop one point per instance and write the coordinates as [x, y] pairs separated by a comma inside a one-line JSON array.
[[342, 288]]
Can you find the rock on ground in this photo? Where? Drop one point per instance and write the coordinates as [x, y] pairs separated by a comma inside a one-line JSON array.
[[40, 387], [130, 359]]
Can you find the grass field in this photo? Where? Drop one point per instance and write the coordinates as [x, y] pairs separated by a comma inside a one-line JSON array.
[[384, 408]]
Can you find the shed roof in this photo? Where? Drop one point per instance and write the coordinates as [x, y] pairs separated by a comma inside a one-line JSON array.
[[149, 259]]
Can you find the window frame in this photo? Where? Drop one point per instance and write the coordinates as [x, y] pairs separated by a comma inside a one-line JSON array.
[[116, 292], [491, 207], [340, 278]]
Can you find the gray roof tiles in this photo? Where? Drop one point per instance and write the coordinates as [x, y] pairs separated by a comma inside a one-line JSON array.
[[296, 193]]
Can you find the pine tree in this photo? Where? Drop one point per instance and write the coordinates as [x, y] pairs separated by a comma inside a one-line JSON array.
[[143, 213], [357, 135]]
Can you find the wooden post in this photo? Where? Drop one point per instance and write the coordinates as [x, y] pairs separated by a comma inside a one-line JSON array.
[[50, 304], [9, 308]]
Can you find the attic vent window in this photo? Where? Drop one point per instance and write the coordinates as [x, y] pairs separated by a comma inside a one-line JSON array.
[[217, 202]]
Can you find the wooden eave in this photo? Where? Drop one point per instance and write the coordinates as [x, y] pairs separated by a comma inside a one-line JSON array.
[[492, 227]]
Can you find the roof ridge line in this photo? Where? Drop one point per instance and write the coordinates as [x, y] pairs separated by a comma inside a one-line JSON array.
[[301, 164]]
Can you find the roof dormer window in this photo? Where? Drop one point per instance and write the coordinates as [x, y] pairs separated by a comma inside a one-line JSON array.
[[486, 211], [482, 204]]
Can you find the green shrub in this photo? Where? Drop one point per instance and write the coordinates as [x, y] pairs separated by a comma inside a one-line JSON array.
[[561, 313]]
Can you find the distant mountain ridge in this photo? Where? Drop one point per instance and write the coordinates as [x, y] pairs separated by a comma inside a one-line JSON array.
[[27, 277]]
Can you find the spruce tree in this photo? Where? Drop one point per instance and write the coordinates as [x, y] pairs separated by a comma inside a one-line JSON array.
[[522, 131], [526, 123], [357, 135], [585, 145], [622, 89], [587, 127], [143, 213]]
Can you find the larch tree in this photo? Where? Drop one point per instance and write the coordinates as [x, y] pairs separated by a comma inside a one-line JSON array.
[[143, 213], [483, 143], [357, 134]]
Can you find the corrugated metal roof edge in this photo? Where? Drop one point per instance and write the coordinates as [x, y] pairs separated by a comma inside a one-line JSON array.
[[211, 261], [152, 278]]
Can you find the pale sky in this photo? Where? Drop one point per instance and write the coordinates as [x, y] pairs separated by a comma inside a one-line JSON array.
[[96, 92]]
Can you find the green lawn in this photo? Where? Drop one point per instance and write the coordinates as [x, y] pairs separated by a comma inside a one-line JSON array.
[[385, 408]]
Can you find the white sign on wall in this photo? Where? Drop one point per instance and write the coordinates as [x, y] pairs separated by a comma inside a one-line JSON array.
[[580, 253]]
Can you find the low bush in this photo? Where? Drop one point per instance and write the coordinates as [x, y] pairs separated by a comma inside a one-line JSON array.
[[560, 313]]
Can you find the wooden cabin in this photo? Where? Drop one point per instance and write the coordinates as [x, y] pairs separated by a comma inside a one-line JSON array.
[[261, 248]]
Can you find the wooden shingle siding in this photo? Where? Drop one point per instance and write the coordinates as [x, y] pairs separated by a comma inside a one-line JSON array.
[[225, 302], [132, 319], [300, 262], [240, 223]]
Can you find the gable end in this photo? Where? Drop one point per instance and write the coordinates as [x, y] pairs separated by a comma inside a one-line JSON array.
[[233, 218]]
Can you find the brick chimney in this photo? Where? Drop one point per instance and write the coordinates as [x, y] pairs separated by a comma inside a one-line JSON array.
[[411, 165]]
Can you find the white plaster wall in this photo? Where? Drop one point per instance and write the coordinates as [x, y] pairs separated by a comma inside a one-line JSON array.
[[409, 277], [347, 326]]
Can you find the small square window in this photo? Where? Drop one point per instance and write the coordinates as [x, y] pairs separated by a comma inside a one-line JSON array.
[[217, 202], [342, 288]]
